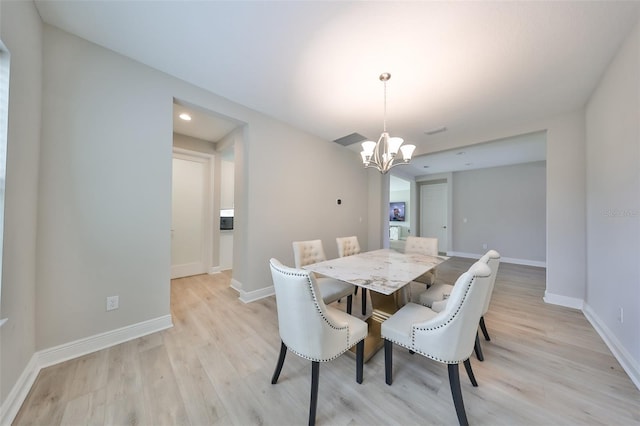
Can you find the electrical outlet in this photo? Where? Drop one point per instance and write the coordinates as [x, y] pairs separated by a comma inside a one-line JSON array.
[[112, 303]]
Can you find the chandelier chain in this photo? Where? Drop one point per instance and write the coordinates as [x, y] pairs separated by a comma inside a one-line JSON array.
[[384, 117]]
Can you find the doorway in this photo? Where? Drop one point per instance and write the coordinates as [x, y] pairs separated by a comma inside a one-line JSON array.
[[191, 224], [399, 201], [434, 202]]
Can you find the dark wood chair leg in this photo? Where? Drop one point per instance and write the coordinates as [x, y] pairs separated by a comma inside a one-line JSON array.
[[478, 349], [456, 392], [359, 360], [283, 353], [349, 304], [472, 377], [388, 361], [315, 373], [364, 301], [483, 327]]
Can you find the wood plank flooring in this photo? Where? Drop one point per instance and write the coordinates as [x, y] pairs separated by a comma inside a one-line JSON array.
[[544, 365]]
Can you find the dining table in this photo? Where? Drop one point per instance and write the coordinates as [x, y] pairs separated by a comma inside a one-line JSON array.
[[386, 273]]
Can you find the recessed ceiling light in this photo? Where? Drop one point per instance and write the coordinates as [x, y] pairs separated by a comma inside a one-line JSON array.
[[184, 116]]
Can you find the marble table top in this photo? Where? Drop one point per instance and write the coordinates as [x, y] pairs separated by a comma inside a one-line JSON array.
[[383, 271]]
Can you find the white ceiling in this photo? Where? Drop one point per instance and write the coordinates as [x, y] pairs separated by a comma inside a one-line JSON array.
[[517, 149], [315, 64]]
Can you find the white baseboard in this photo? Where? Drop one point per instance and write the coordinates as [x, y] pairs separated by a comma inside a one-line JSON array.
[[463, 254], [186, 270], [215, 270], [19, 392], [566, 301], [64, 352], [252, 296], [94, 343], [630, 366], [513, 260]]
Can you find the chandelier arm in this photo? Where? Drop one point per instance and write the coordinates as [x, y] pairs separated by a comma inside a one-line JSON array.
[[377, 157]]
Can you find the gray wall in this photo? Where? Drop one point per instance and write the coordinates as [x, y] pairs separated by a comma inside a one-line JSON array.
[[21, 32], [613, 203], [194, 144], [105, 194], [504, 207], [104, 198]]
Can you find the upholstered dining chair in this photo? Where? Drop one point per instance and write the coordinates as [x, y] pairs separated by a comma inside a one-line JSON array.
[[311, 329], [446, 337], [427, 246], [348, 246], [332, 290], [436, 296]]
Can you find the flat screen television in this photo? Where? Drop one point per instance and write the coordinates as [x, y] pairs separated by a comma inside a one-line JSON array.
[[396, 211]]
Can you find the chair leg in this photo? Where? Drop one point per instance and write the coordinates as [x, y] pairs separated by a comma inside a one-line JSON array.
[[364, 301], [483, 327], [478, 349], [349, 304], [388, 361], [456, 392], [315, 373], [472, 377], [283, 353], [359, 360]]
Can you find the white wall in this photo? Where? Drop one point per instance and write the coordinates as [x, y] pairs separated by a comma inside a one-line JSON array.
[[21, 32], [613, 204], [504, 207], [566, 228]]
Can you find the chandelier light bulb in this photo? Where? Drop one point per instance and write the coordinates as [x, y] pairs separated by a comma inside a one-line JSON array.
[[368, 147], [407, 152], [394, 145]]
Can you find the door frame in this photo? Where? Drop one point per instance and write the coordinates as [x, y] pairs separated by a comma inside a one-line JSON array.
[[447, 179], [209, 225]]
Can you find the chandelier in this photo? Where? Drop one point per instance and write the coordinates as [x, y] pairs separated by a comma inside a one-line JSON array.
[[383, 155]]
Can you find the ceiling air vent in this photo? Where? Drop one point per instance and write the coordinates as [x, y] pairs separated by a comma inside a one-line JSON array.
[[350, 139]]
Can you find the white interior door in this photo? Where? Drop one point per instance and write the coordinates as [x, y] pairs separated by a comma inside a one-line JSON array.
[[189, 206], [434, 213]]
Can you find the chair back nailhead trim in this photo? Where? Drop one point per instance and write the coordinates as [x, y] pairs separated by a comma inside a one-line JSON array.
[[320, 311]]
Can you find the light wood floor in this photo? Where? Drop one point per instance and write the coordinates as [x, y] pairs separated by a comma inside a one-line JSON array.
[[544, 365]]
